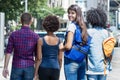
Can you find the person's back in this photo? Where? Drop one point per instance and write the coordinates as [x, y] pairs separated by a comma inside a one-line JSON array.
[[23, 43], [97, 68], [48, 49], [97, 59]]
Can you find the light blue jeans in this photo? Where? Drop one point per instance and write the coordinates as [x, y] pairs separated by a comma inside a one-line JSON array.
[[96, 77], [74, 70], [22, 73]]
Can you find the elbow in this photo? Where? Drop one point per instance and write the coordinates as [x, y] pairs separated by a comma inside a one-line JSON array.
[[68, 47], [38, 59], [60, 62], [60, 59]]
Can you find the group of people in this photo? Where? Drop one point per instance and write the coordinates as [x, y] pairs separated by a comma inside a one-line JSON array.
[[49, 50]]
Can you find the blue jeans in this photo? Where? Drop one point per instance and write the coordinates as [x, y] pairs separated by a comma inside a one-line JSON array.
[[96, 77], [22, 73], [74, 70]]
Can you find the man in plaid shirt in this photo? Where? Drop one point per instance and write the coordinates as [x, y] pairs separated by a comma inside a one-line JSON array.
[[23, 43]]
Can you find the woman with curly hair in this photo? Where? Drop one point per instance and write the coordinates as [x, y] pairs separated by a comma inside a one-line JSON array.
[[49, 58], [96, 68]]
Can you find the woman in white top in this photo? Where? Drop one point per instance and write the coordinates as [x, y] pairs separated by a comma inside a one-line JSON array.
[[74, 70]]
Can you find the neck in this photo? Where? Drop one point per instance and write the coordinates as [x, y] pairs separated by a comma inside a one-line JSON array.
[[26, 25], [50, 33]]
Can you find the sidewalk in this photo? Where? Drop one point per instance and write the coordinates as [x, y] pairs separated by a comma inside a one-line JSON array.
[[114, 74], [9, 66], [1, 68]]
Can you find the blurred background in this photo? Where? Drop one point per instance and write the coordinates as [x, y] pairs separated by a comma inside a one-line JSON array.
[[10, 11]]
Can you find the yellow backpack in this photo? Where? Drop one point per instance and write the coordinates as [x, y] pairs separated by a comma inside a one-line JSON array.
[[108, 46]]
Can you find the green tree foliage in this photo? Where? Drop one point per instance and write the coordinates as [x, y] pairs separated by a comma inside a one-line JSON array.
[[35, 7], [38, 8], [11, 8], [58, 11]]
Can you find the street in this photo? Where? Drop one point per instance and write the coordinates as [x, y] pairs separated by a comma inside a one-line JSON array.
[[114, 74]]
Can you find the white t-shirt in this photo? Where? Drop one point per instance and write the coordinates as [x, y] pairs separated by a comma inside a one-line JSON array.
[[71, 27]]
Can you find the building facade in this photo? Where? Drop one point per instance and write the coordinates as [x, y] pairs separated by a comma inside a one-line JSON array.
[[110, 6]]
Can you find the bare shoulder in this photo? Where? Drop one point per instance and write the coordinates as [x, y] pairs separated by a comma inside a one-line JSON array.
[[40, 42]]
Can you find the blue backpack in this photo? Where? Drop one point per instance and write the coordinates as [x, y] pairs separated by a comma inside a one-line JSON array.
[[79, 50]]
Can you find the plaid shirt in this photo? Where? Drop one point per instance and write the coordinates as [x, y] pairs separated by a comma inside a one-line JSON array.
[[23, 44]]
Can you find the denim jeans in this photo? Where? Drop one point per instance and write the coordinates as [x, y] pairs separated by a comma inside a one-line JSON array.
[[74, 70], [22, 73], [96, 77]]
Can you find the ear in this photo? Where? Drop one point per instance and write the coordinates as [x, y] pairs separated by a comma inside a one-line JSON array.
[[31, 21], [21, 21]]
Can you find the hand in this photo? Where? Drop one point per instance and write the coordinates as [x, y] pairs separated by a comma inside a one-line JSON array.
[[5, 73], [36, 77]]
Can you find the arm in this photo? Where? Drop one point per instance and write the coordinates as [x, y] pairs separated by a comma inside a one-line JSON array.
[[60, 55], [5, 69], [68, 43], [38, 57], [8, 51]]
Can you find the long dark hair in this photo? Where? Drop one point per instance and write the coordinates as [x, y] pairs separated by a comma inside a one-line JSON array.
[[79, 20]]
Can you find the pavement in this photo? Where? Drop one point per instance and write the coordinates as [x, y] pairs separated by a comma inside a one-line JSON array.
[[114, 74], [62, 77], [1, 68]]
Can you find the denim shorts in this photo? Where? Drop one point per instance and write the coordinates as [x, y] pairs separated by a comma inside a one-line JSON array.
[[22, 73]]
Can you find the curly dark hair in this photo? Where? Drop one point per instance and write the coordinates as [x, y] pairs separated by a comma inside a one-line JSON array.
[[97, 17], [51, 23]]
